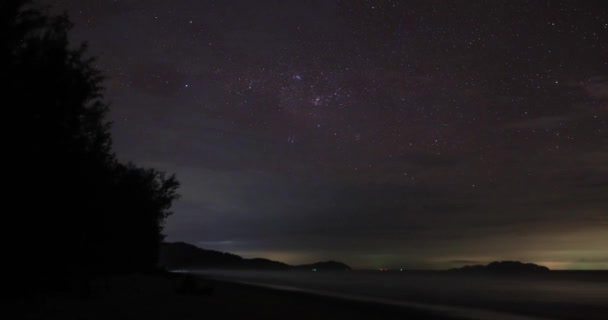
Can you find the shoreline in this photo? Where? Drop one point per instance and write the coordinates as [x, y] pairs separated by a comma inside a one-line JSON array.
[[153, 297], [477, 296], [320, 305], [185, 296], [437, 311]]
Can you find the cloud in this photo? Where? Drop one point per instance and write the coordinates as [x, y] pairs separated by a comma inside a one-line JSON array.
[[596, 87]]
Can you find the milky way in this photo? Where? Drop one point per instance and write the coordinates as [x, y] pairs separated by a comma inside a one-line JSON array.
[[381, 133]]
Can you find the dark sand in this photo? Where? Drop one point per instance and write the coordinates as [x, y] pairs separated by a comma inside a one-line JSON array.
[[156, 297], [553, 295]]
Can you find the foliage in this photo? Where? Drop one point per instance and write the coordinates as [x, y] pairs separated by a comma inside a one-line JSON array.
[[75, 207]]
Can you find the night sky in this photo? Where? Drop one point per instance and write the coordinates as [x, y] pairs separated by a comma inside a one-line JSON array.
[[417, 134]]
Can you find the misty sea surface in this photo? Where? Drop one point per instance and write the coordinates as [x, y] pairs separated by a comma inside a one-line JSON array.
[[555, 295]]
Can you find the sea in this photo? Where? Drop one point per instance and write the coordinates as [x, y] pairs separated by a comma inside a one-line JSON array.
[[551, 295]]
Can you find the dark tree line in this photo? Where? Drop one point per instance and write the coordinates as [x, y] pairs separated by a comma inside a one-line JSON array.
[[71, 207]]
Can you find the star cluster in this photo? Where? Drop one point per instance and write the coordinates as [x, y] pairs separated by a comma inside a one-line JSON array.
[[378, 132]]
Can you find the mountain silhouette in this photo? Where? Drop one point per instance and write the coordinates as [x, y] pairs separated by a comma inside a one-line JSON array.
[[180, 255], [504, 267]]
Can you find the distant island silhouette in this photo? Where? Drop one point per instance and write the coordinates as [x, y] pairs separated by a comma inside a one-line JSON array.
[[503, 267], [181, 255]]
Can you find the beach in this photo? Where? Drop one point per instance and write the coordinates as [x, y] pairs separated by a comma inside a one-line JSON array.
[[351, 295], [523, 296], [156, 297]]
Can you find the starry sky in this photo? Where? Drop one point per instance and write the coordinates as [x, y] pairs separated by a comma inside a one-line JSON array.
[[417, 134]]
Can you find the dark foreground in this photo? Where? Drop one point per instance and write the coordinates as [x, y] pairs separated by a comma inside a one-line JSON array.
[[548, 295], [180, 297]]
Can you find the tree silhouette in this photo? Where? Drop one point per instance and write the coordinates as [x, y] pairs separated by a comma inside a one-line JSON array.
[[144, 197], [75, 208]]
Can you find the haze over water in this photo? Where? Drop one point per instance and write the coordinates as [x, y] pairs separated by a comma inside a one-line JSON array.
[[556, 295]]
